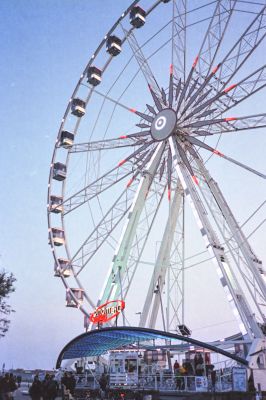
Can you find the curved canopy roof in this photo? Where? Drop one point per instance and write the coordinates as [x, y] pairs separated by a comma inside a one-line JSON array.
[[100, 341]]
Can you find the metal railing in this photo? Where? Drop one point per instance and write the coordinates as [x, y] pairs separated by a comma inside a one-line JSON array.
[[161, 381]]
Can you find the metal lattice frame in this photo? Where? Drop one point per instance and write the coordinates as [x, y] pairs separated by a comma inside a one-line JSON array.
[[164, 156]]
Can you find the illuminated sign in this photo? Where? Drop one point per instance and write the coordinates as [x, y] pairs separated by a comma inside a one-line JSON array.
[[107, 311]]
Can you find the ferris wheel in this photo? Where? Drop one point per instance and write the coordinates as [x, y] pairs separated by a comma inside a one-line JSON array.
[[134, 156]]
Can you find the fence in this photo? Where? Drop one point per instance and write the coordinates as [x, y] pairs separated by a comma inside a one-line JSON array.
[[162, 382]]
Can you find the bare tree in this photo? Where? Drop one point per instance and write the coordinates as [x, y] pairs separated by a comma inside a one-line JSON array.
[[6, 287]]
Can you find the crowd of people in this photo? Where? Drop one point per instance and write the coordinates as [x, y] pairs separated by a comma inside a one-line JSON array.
[[196, 367], [8, 385], [47, 389]]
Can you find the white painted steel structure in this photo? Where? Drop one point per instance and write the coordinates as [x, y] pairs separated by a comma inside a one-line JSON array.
[[162, 159]]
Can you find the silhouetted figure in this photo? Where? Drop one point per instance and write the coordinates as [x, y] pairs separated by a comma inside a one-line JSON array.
[[213, 379], [52, 388], [8, 386], [71, 384], [103, 382], [1, 387], [176, 366], [35, 390], [45, 384], [198, 364]]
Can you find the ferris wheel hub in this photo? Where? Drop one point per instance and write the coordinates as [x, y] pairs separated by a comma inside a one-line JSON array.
[[163, 124]]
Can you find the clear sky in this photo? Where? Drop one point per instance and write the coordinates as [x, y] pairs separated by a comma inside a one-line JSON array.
[[44, 48]]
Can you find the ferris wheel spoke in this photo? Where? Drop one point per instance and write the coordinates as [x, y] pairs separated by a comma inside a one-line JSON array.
[[178, 61], [199, 124], [95, 188], [209, 48], [237, 56], [245, 88], [186, 84], [236, 124], [193, 99], [195, 141], [239, 92], [169, 173], [108, 223], [242, 49], [142, 62], [214, 36], [102, 231], [110, 144], [107, 180], [116, 102]]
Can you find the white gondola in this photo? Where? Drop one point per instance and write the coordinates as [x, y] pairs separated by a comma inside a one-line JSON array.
[[56, 205], [113, 45], [137, 17], [59, 171], [62, 268], [78, 107], [66, 139], [58, 236], [78, 293], [94, 75]]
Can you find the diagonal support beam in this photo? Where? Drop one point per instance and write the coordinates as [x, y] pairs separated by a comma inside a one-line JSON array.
[[234, 294], [118, 266], [162, 263], [252, 262]]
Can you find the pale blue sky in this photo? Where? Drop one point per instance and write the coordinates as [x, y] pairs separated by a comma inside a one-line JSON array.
[[44, 48]]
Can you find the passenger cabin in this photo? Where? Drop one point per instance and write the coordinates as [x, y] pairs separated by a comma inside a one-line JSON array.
[[56, 205], [113, 45], [66, 139], [79, 295], [59, 171], [58, 236], [137, 17], [62, 268], [94, 76], [78, 107]]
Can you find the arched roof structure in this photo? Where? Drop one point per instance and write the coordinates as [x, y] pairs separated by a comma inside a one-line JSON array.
[[100, 341]]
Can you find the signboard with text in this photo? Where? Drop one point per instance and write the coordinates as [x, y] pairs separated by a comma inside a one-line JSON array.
[[107, 311]]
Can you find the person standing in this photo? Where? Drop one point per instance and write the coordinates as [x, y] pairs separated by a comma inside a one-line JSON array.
[[71, 383], [176, 367], [35, 390], [1, 387], [45, 384], [103, 382], [52, 388]]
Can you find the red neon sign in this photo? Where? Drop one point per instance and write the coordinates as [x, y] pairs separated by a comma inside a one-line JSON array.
[[107, 311]]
